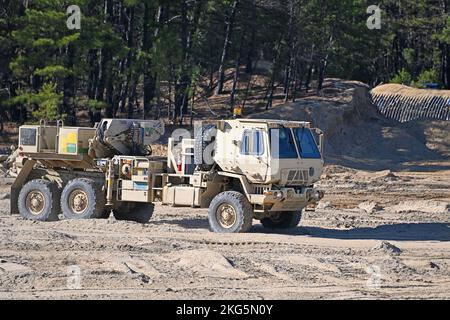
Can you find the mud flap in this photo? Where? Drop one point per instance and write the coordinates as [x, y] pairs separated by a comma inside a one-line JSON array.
[[18, 184], [14, 208]]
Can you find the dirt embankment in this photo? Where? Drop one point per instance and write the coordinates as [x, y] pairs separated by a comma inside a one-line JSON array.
[[356, 133]]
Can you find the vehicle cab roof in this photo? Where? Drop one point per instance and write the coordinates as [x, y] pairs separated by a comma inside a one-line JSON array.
[[271, 123]]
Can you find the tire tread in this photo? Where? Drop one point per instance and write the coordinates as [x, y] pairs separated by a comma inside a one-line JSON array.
[[46, 187], [244, 209]]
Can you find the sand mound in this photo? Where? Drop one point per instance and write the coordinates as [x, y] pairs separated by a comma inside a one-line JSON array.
[[370, 207], [137, 265], [207, 263], [422, 206], [337, 169], [384, 176], [11, 267], [387, 247], [357, 134]]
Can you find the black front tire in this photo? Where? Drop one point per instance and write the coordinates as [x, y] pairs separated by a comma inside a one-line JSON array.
[[91, 191], [236, 202], [282, 220], [48, 195]]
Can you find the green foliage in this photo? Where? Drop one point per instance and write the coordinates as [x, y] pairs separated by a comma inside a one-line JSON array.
[[48, 102], [408, 54], [66, 40], [444, 36], [427, 76], [90, 104], [403, 77], [49, 72], [103, 65], [95, 104], [45, 103]]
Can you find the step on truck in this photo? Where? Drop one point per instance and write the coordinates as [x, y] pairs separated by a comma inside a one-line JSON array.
[[240, 169]]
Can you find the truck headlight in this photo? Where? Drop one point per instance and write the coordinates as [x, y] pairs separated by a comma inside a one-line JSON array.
[[278, 195], [101, 163], [311, 171], [315, 195]]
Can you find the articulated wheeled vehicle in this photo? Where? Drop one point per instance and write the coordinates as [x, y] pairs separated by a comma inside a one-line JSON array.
[[240, 169]]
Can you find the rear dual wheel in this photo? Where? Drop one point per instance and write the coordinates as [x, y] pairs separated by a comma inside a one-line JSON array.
[[39, 200], [82, 199]]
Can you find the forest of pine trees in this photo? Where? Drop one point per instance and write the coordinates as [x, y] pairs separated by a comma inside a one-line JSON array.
[[153, 55]]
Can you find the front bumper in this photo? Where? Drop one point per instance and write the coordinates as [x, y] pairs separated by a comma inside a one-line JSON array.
[[287, 199]]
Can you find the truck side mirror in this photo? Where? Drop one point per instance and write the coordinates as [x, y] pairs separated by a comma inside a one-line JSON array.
[[320, 143]]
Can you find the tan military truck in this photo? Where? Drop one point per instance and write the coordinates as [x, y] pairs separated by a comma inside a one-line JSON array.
[[240, 169]]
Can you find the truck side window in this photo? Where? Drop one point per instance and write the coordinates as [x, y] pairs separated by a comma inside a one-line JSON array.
[[252, 143], [282, 144]]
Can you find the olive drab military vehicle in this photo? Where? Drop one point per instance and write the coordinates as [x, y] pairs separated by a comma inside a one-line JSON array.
[[239, 169]]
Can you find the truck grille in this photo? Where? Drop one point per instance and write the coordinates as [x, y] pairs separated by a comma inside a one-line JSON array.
[[297, 176], [260, 189]]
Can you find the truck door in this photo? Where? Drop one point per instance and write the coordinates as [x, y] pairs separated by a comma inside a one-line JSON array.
[[252, 158]]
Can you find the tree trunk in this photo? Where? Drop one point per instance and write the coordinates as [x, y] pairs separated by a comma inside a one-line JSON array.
[[249, 86], [226, 46], [93, 74], [69, 88], [323, 66], [129, 18], [299, 75], [271, 88], [132, 97], [445, 52], [184, 83], [212, 68], [446, 66], [291, 46], [236, 73], [147, 44], [181, 85], [251, 51], [105, 76], [309, 76], [293, 76]]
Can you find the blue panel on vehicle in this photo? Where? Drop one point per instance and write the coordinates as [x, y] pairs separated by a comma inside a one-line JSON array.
[[140, 186]]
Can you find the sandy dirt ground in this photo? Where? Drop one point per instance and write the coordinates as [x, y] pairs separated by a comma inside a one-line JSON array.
[[382, 235]]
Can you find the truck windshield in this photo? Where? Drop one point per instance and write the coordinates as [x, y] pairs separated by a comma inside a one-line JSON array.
[[306, 143], [282, 144]]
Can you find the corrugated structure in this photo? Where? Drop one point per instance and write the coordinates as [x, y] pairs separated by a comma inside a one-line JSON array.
[[404, 103]]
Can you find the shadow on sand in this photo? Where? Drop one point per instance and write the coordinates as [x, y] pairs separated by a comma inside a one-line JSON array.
[[400, 232], [187, 223]]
